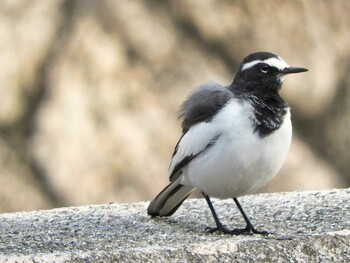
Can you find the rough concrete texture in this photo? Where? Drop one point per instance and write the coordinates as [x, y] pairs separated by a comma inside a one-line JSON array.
[[306, 226]]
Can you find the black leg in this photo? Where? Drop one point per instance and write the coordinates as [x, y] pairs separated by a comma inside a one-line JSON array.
[[219, 227], [237, 231], [249, 227]]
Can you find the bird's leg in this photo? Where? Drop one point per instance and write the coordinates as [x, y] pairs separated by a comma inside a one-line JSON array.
[[237, 231], [249, 228], [219, 227]]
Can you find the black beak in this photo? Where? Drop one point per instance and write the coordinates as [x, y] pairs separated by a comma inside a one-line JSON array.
[[291, 70]]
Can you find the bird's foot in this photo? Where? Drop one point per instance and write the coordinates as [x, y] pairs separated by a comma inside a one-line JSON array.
[[260, 232], [248, 230], [237, 231], [220, 229]]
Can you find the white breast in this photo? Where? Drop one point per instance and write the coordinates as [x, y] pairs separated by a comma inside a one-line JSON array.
[[240, 162]]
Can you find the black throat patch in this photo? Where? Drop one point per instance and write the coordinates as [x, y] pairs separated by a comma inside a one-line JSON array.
[[269, 107], [269, 113]]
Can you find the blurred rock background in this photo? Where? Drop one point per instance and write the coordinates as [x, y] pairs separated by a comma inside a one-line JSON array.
[[90, 91]]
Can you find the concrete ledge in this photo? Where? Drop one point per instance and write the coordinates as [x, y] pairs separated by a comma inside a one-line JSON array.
[[307, 226]]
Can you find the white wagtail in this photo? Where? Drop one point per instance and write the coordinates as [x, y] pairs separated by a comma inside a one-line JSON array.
[[234, 139]]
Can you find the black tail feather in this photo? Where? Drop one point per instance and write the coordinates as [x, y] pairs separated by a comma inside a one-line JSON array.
[[170, 199]]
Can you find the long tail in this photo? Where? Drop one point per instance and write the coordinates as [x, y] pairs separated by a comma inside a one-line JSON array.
[[170, 199]]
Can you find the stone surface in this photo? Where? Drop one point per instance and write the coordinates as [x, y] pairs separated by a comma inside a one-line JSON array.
[[305, 226]]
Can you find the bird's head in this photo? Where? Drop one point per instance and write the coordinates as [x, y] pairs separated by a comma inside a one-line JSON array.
[[265, 68]]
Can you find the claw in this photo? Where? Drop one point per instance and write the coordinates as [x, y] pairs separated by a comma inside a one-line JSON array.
[[221, 229], [263, 233], [237, 231]]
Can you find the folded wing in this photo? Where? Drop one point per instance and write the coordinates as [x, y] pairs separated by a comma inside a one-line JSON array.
[[199, 134], [197, 113]]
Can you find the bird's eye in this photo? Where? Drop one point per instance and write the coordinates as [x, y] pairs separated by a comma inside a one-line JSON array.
[[264, 68]]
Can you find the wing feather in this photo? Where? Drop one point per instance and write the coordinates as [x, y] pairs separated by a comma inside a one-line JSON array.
[[203, 104], [199, 133]]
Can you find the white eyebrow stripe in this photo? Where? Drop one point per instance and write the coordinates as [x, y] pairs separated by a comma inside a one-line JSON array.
[[273, 62]]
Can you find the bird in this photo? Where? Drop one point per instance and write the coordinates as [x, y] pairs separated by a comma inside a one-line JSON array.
[[234, 139]]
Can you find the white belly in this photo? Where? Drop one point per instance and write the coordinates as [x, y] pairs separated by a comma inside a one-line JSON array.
[[239, 163]]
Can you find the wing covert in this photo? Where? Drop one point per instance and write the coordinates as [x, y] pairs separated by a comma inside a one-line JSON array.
[[198, 132]]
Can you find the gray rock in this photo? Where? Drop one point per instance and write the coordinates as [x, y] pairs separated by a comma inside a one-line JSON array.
[[305, 226]]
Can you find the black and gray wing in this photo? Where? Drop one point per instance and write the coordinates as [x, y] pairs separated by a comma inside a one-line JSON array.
[[203, 104], [199, 134], [197, 113]]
